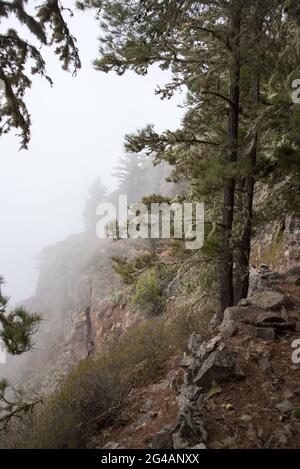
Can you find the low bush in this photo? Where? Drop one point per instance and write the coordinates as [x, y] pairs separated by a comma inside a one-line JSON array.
[[148, 292], [93, 393]]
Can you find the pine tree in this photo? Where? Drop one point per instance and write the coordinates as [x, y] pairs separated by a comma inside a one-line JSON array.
[[225, 53], [97, 194], [16, 330], [48, 26]]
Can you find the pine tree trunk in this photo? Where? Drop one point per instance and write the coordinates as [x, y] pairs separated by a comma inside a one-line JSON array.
[[226, 277], [243, 273], [242, 282]]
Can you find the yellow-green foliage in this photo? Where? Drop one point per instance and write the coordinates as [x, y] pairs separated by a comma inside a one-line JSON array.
[[128, 269], [148, 292]]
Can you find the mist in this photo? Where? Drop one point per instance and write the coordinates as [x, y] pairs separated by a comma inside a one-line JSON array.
[[78, 130]]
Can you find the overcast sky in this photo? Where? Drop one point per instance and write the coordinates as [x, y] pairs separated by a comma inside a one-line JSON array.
[[77, 134]]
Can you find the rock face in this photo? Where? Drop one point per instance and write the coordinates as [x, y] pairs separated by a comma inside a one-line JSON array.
[[269, 300], [292, 241], [163, 439], [220, 367], [208, 363], [212, 363]]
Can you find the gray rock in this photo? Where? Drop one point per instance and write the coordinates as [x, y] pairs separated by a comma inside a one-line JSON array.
[[111, 445], [196, 345], [264, 268], [231, 317], [270, 300], [266, 365], [270, 317], [189, 362], [263, 435], [229, 330], [147, 405], [188, 394], [244, 302], [245, 418], [265, 333], [276, 278], [293, 272], [284, 407], [191, 427], [199, 446], [214, 323], [220, 367], [163, 439], [179, 442]]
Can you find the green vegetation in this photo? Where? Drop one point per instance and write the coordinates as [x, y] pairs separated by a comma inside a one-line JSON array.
[[20, 59], [92, 395], [148, 292]]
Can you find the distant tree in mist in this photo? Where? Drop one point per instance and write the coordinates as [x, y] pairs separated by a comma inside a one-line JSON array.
[[138, 177], [97, 194]]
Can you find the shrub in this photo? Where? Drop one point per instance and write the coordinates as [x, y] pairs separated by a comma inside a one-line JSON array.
[[129, 269], [148, 292], [93, 393]]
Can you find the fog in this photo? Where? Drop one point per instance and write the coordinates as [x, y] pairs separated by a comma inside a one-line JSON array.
[[78, 129]]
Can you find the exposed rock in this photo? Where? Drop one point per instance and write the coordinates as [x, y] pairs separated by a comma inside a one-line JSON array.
[[265, 333], [111, 445], [293, 272], [270, 300], [189, 361], [276, 278], [270, 317], [188, 394], [220, 367], [229, 330], [296, 413], [284, 407], [175, 380], [263, 435], [244, 302], [231, 317], [163, 439], [245, 418], [196, 346], [199, 446], [266, 365], [191, 428], [292, 241], [147, 406], [214, 323]]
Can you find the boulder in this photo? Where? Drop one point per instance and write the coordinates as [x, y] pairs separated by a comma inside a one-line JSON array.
[[270, 317], [196, 346], [111, 445], [191, 429], [231, 318], [284, 407], [266, 365], [163, 439], [220, 367], [270, 300], [265, 333]]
